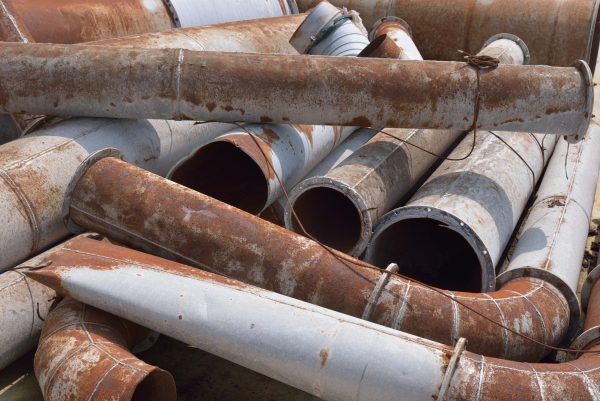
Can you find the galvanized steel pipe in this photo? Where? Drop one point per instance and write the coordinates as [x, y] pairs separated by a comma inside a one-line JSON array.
[[153, 214], [556, 31], [205, 86], [333, 356], [554, 236], [83, 355]]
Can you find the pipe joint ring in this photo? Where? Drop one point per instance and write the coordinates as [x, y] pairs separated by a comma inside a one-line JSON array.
[[461, 346], [389, 20], [586, 74], [381, 283], [79, 173], [589, 283], [518, 41]]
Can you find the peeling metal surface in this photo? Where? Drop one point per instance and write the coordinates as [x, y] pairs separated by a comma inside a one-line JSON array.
[[208, 86], [84, 355], [556, 31], [140, 209], [335, 357]]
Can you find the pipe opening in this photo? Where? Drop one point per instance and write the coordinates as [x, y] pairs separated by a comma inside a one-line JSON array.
[[222, 171], [158, 385], [330, 217], [429, 251], [373, 47]]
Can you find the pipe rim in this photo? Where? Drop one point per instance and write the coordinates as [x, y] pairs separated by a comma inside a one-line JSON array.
[[320, 18], [488, 272], [594, 37], [586, 339], [589, 283], [555, 281], [349, 193], [374, 33], [518, 41], [588, 79]]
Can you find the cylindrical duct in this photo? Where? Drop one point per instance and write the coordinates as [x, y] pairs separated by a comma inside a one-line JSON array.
[[556, 31], [205, 86], [83, 355], [150, 213], [554, 236]]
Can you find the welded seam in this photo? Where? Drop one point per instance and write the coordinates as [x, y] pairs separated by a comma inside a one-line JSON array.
[[538, 381], [139, 236], [505, 333], [63, 361], [13, 283], [29, 210], [180, 55], [481, 377], [23, 277], [541, 317], [456, 320], [397, 324], [99, 383], [13, 22], [389, 8], [591, 387]]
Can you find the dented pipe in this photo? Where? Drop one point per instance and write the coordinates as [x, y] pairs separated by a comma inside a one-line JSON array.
[[210, 86], [554, 236], [83, 355], [334, 356], [556, 31], [140, 209]]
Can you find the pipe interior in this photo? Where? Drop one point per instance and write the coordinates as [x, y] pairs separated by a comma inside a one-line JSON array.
[[428, 251], [330, 217], [158, 385], [222, 171]]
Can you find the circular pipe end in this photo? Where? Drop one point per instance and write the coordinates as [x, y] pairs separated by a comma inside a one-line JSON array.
[[382, 25], [518, 41], [439, 248], [558, 283], [322, 17], [588, 79], [589, 283], [331, 212]]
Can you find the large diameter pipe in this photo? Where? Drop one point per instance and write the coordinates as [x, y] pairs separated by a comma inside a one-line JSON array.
[[84, 355], [205, 86], [453, 231], [554, 236], [158, 216], [556, 31], [330, 355], [36, 170]]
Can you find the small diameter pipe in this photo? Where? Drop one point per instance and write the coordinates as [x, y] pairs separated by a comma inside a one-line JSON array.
[[468, 209], [156, 215], [327, 354], [83, 355], [247, 172], [206, 86], [554, 236], [556, 31]]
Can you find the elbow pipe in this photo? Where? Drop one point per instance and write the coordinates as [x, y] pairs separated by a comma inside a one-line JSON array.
[[557, 32], [169, 220], [334, 356], [84, 354], [206, 86]]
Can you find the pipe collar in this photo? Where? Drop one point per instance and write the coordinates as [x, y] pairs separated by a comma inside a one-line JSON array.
[[514, 38], [321, 21]]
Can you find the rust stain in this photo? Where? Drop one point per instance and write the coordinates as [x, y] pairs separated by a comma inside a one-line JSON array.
[[324, 356]]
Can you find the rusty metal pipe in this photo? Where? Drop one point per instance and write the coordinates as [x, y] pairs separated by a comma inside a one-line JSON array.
[[554, 235], [206, 86], [83, 355], [556, 31], [334, 356], [153, 214]]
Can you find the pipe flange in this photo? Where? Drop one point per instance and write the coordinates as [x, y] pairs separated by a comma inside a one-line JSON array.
[[589, 283], [79, 173], [588, 78], [293, 6], [558, 283], [389, 19], [586, 339], [173, 13], [321, 19], [450, 222], [520, 42], [146, 343]]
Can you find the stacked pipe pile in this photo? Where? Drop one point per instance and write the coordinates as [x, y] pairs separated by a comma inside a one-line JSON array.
[[385, 203]]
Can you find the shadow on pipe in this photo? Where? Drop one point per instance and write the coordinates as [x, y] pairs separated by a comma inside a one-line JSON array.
[[213, 169]]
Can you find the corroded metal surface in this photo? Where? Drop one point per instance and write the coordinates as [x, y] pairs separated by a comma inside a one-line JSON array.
[[467, 210], [150, 213], [335, 357], [206, 86], [69, 21], [84, 355], [556, 31]]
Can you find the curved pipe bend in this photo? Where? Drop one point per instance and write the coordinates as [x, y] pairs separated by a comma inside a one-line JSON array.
[[84, 354]]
